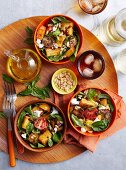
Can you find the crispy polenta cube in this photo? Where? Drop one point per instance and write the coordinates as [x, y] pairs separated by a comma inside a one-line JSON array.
[[70, 31], [61, 40], [70, 52], [41, 32], [66, 25], [86, 103], [104, 102], [51, 52], [26, 121], [43, 138]]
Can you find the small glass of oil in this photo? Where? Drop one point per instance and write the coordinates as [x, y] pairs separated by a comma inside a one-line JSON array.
[[23, 65]]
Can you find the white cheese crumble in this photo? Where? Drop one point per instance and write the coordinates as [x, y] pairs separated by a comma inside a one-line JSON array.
[[74, 101], [54, 28], [55, 129], [24, 135], [37, 113], [97, 119], [102, 107], [41, 45], [54, 110], [38, 41], [83, 129]]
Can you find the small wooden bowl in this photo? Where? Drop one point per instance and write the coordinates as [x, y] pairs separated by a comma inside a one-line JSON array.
[[44, 22], [25, 144], [93, 13], [93, 133]]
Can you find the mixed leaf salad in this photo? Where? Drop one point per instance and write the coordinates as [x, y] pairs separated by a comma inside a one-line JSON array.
[[58, 39], [41, 125], [91, 111]]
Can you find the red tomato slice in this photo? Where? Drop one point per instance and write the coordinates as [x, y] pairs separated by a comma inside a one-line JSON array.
[[90, 114], [41, 123]]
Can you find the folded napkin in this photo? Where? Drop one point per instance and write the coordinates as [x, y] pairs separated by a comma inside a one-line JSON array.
[[90, 142]]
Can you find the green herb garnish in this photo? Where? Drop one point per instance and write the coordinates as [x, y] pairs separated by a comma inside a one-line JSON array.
[[91, 94], [35, 91], [7, 78], [2, 115], [29, 40]]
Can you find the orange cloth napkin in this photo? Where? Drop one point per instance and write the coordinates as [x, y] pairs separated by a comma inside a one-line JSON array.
[[89, 142]]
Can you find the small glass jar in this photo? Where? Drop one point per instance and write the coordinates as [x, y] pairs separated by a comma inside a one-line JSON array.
[[120, 62], [23, 65], [113, 30]]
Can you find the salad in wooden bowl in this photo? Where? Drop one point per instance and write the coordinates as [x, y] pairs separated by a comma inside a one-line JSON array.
[[91, 111], [58, 39], [40, 126]]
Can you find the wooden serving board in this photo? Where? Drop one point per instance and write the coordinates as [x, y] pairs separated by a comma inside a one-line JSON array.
[[12, 37]]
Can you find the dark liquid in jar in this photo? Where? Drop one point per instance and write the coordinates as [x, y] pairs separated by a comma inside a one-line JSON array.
[[90, 65]]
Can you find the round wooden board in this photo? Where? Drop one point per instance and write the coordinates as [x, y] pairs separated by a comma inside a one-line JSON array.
[[12, 37]]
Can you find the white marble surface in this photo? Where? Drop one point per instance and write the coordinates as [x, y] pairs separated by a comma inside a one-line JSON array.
[[111, 152]]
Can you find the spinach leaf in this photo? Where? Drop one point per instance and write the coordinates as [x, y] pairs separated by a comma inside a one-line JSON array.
[[57, 137], [73, 57], [28, 109], [7, 78], [50, 142], [58, 19], [76, 121], [33, 146], [106, 96], [111, 105], [43, 50], [36, 130], [20, 119], [29, 128], [56, 33], [91, 94], [100, 125], [56, 116], [103, 96], [40, 145], [2, 115]]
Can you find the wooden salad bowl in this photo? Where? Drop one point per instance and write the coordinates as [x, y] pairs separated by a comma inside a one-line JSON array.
[[25, 144]]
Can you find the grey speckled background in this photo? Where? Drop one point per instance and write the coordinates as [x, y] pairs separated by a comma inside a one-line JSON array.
[[111, 152]]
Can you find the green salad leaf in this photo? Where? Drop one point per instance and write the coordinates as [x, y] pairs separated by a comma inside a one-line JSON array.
[[40, 145], [58, 19], [76, 121], [56, 116], [100, 125], [73, 57], [29, 128], [7, 78], [57, 137], [91, 94], [50, 142], [33, 146], [20, 119], [106, 96], [28, 109]]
